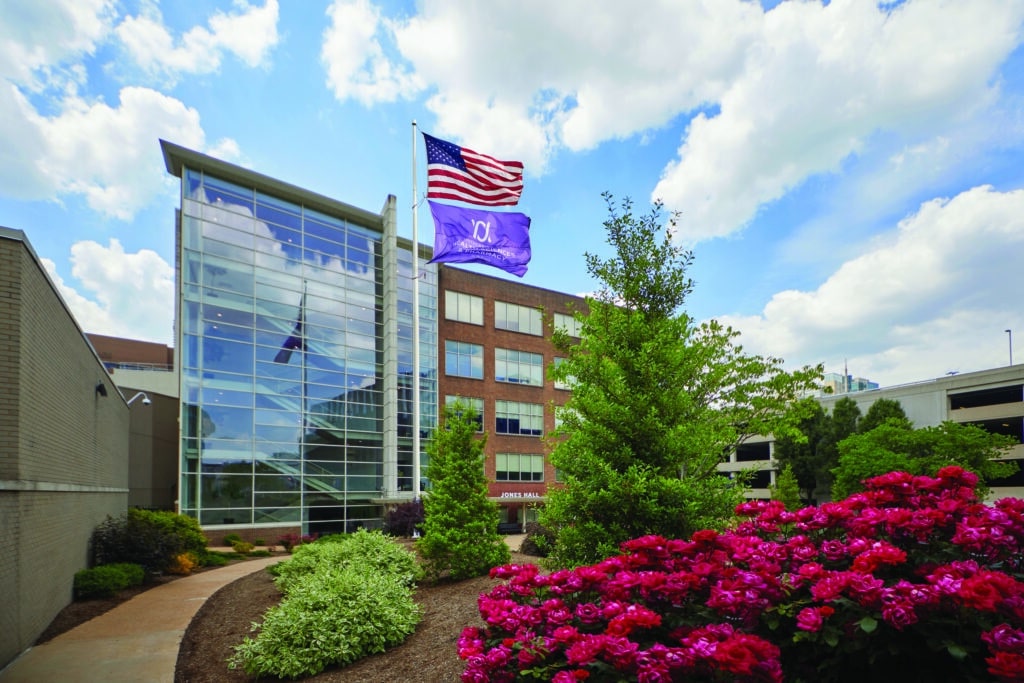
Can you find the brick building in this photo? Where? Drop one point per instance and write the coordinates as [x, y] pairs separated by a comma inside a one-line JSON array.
[[495, 339]]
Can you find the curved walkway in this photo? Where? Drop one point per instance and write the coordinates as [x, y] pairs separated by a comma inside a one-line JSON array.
[[136, 642]]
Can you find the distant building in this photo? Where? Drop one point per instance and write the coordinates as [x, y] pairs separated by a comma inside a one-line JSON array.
[[836, 383], [991, 399]]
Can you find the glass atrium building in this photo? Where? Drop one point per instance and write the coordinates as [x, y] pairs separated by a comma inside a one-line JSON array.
[[294, 328]]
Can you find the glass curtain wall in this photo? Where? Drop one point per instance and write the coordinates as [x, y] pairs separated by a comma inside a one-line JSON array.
[[282, 363]]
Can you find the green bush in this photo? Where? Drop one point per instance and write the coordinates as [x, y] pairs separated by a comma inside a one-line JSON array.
[[107, 580], [368, 551], [345, 597], [232, 539], [147, 537], [242, 547], [214, 558], [539, 540]]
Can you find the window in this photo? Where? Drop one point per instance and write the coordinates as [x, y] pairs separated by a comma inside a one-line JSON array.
[[568, 323], [477, 404], [567, 382], [512, 417], [463, 359], [517, 318], [518, 367], [519, 467], [464, 308]]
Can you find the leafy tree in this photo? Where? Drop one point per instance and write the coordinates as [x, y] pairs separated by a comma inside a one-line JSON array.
[[812, 451], [658, 401], [880, 411], [460, 529], [802, 448], [786, 489], [896, 446], [845, 418]]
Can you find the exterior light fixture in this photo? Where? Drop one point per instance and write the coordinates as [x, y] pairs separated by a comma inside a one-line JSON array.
[[101, 389], [145, 399]]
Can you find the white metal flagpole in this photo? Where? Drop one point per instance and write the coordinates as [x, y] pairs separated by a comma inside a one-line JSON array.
[[415, 332]]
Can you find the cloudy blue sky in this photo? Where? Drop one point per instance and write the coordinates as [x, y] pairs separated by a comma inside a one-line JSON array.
[[849, 175]]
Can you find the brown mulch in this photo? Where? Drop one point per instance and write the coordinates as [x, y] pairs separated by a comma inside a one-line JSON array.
[[430, 654]]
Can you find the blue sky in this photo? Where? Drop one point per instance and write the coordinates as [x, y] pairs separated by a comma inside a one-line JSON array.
[[849, 175]]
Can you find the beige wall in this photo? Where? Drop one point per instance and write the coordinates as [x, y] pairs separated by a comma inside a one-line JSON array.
[[63, 448]]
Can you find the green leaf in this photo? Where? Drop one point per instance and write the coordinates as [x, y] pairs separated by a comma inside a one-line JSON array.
[[868, 624], [955, 651]]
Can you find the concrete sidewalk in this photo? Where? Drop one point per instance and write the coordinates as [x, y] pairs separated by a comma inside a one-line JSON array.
[[136, 642]]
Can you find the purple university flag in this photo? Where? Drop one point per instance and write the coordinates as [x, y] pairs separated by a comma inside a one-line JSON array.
[[494, 238]]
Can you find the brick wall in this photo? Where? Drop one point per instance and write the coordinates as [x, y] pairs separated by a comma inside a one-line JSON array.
[[493, 289], [63, 448]]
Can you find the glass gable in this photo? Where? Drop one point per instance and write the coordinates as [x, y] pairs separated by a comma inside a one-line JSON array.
[[282, 356]]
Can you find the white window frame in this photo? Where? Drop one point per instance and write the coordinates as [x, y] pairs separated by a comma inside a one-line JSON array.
[[518, 318], [463, 350], [503, 462], [463, 308], [518, 367]]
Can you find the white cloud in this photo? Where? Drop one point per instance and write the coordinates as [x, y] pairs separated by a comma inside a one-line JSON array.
[[110, 155], [819, 83], [249, 34], [783, 95], [353, 54], [132, 295], [40, 34], [107, 153], [944, 284]]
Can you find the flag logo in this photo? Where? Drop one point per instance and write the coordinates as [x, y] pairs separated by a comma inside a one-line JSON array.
[[499, 239], [459, 173]]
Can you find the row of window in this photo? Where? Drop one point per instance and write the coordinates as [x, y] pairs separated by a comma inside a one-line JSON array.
[[510, 417], [467, 308], [464, 359]]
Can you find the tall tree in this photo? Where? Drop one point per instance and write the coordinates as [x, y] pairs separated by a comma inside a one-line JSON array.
[[786, 489], [802, 450], [812, 451], [460, 528], [880, 411], [896, 446], [658, 400]]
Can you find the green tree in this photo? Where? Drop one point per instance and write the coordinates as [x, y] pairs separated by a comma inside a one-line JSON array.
[[880, 411], [786, 489], [801, 449], [896, 446], [812, 450], [658, 401], [460, 529]]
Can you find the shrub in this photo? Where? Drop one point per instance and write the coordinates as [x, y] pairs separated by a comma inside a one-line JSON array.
[[242, 547], [404, 519], [107, 580], [213, 558], [539, 540], [183, 564], [289, 541], [912, 579], [368, 551], [259, 541], [345, 597], [332, 617], [146, 537], [231, 539]]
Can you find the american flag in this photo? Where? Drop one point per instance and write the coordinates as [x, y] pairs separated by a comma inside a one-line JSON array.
[[461, 174]]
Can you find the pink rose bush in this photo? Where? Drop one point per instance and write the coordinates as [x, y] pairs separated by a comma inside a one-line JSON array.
[[912, 579]]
